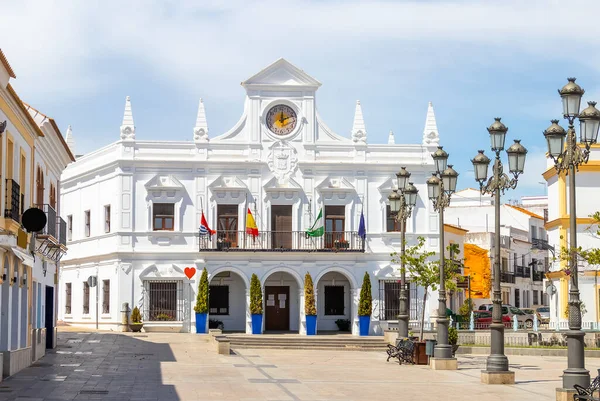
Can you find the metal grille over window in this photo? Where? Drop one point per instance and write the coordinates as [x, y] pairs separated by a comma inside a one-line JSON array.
[[164, 301], [105, 296], [219, 300], [68, 298], [86, 298], [389, 295]]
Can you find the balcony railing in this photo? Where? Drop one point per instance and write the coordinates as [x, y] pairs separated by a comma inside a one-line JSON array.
[[13, 200], [523, 271], [507, 277], [282, 241], [538, 276], [538, 243], [50, 228], [62, 231]]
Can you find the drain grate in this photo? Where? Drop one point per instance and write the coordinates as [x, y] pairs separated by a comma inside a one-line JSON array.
[[93, 392], [42, 365], [140, 336]]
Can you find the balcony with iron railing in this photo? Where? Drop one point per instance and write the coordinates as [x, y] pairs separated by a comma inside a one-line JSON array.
[[507, 277], [62, 231], [12, 200], [523, 271], [538, 243], [538, 276], [282, 241], [50, 228]]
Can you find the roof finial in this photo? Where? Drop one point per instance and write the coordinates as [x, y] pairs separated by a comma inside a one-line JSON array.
[[128, 127], [391, 139], [431, 135], [70, 140], [201, 128], [359, 131]]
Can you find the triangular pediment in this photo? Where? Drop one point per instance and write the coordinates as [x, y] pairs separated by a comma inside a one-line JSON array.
[[163, 182], [335, 184], [228, 182], [288, 185], [281, 73]]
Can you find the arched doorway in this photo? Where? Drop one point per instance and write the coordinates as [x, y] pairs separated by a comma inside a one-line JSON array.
[[5, 315], [227, 300], [282, 292], [335, 291]]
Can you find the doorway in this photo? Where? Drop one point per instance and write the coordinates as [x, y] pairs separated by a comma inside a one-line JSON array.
[[281, 226], [277, 308], [334, 225], [49, 317]]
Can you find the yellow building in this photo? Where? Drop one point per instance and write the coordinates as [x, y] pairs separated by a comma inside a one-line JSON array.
[[29, 271]]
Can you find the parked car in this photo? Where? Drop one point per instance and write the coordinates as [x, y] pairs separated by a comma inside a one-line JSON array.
[[483, 319], [523, 318], [544, 314]]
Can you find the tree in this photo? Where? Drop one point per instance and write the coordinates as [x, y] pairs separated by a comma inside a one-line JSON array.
[[366, 299], [256, 303], [202, 296], [425, 272], [309, 296]]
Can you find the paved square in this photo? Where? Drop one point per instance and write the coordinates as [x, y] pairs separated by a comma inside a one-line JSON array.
[[164, 367]]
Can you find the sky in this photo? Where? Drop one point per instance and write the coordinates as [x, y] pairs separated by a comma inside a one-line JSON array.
[[76, 61]]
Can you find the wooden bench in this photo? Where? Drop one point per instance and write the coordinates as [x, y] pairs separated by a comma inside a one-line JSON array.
[[403, 350], [588, 393]]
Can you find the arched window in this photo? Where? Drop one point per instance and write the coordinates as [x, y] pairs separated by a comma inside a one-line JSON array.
[[40, 188], [53, 196]]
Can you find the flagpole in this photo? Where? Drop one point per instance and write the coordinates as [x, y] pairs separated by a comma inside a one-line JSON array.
[[245, 218]]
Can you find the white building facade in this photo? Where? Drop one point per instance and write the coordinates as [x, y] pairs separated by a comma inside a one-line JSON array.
[[134, 207]]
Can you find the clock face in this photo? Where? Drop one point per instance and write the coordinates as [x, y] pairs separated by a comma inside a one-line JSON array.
[[281, 119]]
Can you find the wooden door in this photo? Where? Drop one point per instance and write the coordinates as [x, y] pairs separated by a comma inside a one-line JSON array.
[[277, 308], [281, 226], [334, 225], [227, 225]]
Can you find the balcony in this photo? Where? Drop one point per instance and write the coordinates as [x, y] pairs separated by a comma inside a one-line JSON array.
[[507, 277], [538, 243], [62, 231], [13, 200], [281, 241], [538, 276], [50, 228], [523, 271], [53, 236]]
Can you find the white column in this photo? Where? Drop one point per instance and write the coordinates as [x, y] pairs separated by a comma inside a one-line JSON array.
[[354, 311], [248, 316], [302, 315]]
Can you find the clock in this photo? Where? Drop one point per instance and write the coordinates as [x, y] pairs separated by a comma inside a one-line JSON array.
[[281, 119]]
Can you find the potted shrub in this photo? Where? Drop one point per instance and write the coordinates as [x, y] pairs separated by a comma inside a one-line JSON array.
[[365, 306], [136, 320], [215, 324], [341, 244], [201, 307], [256, 304], [309, 306], [453, 339], [343, 324]]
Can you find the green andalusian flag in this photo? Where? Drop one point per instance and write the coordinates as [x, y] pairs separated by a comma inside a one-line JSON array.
[[317, 229]]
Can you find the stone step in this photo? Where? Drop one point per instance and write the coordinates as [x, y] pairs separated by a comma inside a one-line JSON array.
[[307, 342], [311, 347]]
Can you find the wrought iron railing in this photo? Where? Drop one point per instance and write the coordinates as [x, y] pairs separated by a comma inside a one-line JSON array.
[[50, 228], [62, 231], [288, 241], [507, 277], [13, 200], [538, 276], [538, 243], [523, 271]]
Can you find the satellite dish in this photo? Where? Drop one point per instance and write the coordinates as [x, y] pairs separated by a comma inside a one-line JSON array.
[[551, 289], [34, 219]]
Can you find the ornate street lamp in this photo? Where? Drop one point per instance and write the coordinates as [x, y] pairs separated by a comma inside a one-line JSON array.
[[497, 362], [568, 155], [440, 187], [401, 205]]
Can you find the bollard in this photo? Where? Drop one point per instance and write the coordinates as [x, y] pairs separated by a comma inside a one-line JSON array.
[[125, 317]]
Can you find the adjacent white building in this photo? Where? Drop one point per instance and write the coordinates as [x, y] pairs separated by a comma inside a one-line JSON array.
[[134, 208]]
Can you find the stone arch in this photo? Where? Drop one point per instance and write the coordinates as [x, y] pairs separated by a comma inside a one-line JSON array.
[[284, 269], [327, 321], [340, 270], [237, 317], [239, 272]]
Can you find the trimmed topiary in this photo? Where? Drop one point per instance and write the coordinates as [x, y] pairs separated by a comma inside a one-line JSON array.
[[309, 296], [136, 316], [202, 296], [256, 302], [365, 305]]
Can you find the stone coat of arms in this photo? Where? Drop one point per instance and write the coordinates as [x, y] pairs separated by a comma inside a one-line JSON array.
[[282, 160]]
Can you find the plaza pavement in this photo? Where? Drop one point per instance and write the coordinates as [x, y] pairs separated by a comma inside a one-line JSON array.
[[163, 367]]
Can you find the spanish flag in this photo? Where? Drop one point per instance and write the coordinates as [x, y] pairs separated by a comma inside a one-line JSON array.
[[251, 227]]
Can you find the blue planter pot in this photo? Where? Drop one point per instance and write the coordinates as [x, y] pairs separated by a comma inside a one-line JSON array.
[[201, 323], [363, 324], [311, 325], [257, 324]]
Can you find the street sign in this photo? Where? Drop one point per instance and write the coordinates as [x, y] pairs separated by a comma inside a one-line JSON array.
[[92, 281]]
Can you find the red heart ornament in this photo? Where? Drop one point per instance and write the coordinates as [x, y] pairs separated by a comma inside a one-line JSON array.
[[189, 272]]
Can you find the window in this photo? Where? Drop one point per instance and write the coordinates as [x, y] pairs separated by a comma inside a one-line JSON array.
[[105, 296], [218, 300], [515, 261], [391, 224], [86, 298], [334, 225], [535, 297], [505, 296], [70, 227], [22, 179], [40, 187], [53, 196], [227, 224], [107, 218], [389, 292], [504, 264], [163, 305], [517, 298], [67, 298], [87, 223], [163, 216], [534, 233], [334, 300]]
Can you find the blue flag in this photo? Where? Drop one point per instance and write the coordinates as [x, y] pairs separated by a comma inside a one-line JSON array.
[[362, 231]]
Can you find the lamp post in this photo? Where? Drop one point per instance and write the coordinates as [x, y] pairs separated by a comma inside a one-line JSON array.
[[440, 187], [497, 362], [401, 205], [567, 158]]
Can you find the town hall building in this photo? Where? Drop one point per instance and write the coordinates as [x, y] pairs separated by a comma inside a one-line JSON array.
[[134, 208]]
